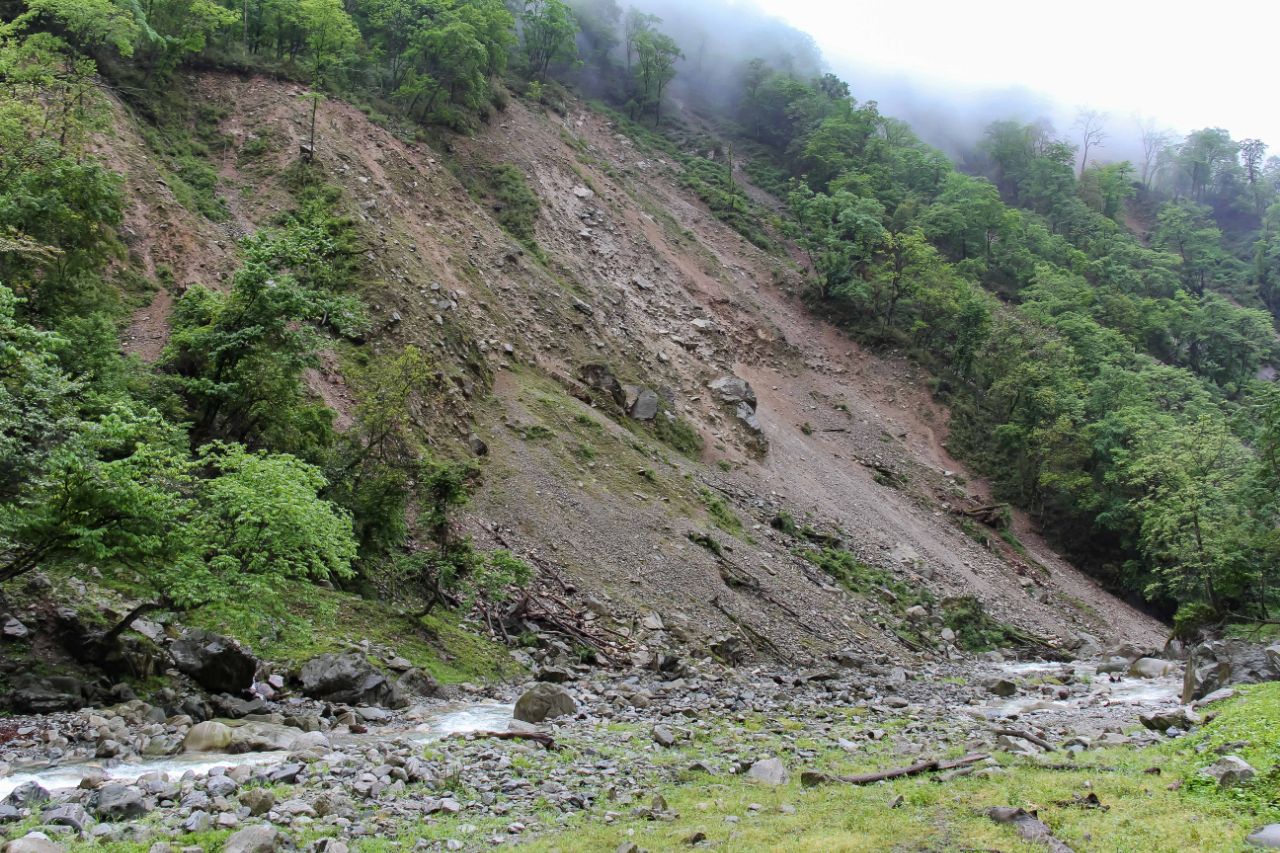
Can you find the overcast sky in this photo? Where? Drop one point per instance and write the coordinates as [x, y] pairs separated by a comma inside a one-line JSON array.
[[1188, 65]]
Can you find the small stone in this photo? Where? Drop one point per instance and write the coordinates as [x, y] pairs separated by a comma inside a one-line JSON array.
[[33, 842]]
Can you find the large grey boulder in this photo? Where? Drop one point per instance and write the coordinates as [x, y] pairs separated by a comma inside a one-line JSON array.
[[733, 390], [645, 407], [216, 663], [1267, 836], [119, 802], [12, 629], [254, 839], [1161, 721], [1221, 663], [67, 814], [26, 795], [1151, 667], [349, 679], [769, 771], [544, 701]]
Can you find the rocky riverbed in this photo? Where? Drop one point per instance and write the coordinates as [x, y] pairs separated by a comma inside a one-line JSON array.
[[323, 776]]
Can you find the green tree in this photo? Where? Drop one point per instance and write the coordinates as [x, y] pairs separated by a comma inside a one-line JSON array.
[[547, 33], [656, 55]]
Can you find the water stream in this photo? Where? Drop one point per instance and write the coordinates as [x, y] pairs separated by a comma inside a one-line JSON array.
[[482, 716], [1140, 694]]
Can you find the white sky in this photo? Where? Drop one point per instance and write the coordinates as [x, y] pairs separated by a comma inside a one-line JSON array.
[[1210, 63]]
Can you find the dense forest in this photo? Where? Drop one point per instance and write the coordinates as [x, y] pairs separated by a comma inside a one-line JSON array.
[[1103, 335]]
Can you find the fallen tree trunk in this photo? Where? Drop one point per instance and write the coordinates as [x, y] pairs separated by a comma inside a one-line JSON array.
[[541, 738], [1027, 736], [811, 778]]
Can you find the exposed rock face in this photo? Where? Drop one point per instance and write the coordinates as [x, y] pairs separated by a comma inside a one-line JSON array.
[[349, 679], [544, 701], [33, 695], [215, 663], [1219, 663]]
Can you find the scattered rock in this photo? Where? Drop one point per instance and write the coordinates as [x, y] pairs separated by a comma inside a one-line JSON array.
[[253, 839], [1161, 721], [33, 842], [1151, 668], [544, 701], [1001, 687], [1230, 770], [769, 771], [27, 795], [12, 629], [67, 814]]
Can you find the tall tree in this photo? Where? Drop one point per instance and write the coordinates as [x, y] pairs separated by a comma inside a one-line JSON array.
[[1090, 124]]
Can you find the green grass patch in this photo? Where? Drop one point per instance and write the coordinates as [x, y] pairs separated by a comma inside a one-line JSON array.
[[721, 515]]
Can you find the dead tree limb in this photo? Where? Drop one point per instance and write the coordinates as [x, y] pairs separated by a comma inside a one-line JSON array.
[[810, 778], [1028, 736], [540, 738]]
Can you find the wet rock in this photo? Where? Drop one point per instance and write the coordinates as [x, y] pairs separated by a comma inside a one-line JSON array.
[[119, 802], [544, 701], [216, 663], [349, 679], [263, 737], [254, 839], [769, 771], [1230, 770], [235, 708], [1151, 668], [1113, 665], [208, 736], [27, 795]]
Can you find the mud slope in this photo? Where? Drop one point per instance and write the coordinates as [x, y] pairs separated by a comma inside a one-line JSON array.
[[638, 276]]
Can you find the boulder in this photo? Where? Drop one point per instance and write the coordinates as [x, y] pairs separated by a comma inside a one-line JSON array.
[[67, 814], [253, 839], [1113, 664], [1161, 721], [1221, 663], [233, 707], [349, 679], [598, 376], [1151, 668], [26, 795], [645, 408], [1267, 836], [263, 737], [1230, 770], [216, 663], [731, 389], [33, 842], [418, 682], [12, 629], [769, 771], [34, 695], [1001, 687], [119, 802], [544, 701], [208, 736]]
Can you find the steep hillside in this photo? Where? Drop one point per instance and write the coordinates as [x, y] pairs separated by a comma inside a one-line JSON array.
[[635, 276]]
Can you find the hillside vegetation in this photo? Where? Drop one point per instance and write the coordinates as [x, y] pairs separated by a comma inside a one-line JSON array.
[[1106, 381]]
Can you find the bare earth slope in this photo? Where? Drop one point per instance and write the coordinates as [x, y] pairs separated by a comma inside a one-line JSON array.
[[640, 277]]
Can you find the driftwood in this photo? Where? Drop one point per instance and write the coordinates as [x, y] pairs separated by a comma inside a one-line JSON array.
[[536, 737], [1029, 827], [1028, 736], [811, 778]]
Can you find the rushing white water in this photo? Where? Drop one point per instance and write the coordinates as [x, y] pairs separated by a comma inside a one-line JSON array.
[[470, 718], [1142, 693]]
